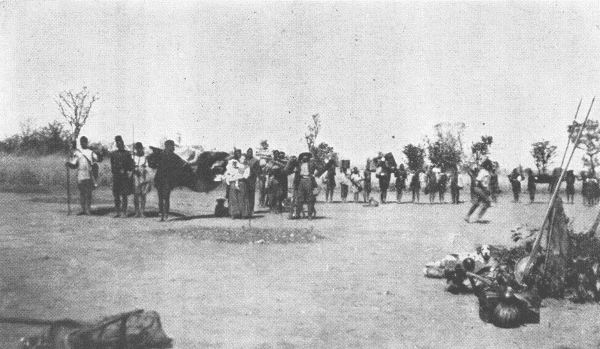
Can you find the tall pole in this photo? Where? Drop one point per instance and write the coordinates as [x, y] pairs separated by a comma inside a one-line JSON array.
[[538, 239], [568, 142], [569, 137], [68, 191]]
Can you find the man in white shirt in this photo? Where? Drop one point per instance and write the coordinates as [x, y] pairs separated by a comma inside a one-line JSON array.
[[481, 190], [85, 161]]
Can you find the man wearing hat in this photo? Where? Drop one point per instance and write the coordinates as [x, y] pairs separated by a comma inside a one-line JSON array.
[[304, 183], [122, 166]]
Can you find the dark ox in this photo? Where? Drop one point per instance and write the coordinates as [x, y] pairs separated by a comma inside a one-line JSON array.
[[209, 165], [549, 178]]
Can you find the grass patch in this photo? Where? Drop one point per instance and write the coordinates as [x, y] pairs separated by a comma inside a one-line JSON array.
[[46, 171], [23, 189], [246, 235]]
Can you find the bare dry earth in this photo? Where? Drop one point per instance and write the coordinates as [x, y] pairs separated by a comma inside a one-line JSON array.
[[361, 287]]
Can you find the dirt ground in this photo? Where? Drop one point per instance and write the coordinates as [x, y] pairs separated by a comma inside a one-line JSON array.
[[360, 287]]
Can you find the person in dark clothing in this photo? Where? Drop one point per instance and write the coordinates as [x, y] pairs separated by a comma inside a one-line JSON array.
[[167, 164], [570, 179], [304, 183], [122, 166], [262, 187], [401, 175], [531, 185], [254, 165], [367, 185], [384, 176], [442, 187], [431, 185], [330, 181], [494, 186], [455, 186], [515, 179], [277, 182], [415, 187]]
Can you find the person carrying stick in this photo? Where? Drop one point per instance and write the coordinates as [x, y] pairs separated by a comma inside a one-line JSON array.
[[86, 162]]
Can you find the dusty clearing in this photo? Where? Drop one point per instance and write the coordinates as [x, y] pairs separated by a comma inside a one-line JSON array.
[[360, 287]]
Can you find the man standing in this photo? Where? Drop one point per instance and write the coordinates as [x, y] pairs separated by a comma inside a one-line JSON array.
[[253, 164], [275, 189], [481, 190], [455, 185], [84, 160], [401, 176], [304, 184], [384, 175], [367, 185], [122, 166], [330, 180], [168, 162]]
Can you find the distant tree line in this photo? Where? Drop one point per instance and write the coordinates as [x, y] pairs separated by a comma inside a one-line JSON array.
[[50, 139]]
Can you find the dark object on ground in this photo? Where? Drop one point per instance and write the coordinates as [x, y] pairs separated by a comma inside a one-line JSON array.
[[220, 209], [136, 329], [504, 307]]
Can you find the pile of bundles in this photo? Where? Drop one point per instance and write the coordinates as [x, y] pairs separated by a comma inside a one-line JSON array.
[[510, 283], [136, 329]]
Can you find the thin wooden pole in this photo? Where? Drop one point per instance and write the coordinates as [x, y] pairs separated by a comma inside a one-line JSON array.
[[68, 191], [538, 239], [569, 137]]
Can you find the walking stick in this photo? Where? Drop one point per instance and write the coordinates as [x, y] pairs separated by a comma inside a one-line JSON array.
[[73, 145], [538, 239], [68, 191]]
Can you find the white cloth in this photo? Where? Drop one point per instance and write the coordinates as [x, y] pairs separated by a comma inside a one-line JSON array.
[[423, 179], [356, 180], [236, 170], [484, 178], [83, 159], [342, 178], [142, 176]]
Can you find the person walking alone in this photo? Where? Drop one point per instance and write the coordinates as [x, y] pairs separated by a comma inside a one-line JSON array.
[[481, 191]]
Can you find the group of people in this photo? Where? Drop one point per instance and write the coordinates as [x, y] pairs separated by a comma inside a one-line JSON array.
[[433, 181], [245, 174], [129, 171]]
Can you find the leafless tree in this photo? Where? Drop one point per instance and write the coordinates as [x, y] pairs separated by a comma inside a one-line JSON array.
[[313, 132], [75, 107]]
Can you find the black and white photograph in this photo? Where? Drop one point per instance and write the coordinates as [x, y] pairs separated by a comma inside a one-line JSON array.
[[299, 174]]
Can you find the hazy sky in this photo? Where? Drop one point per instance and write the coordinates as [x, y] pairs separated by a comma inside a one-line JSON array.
[[381, 75]]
